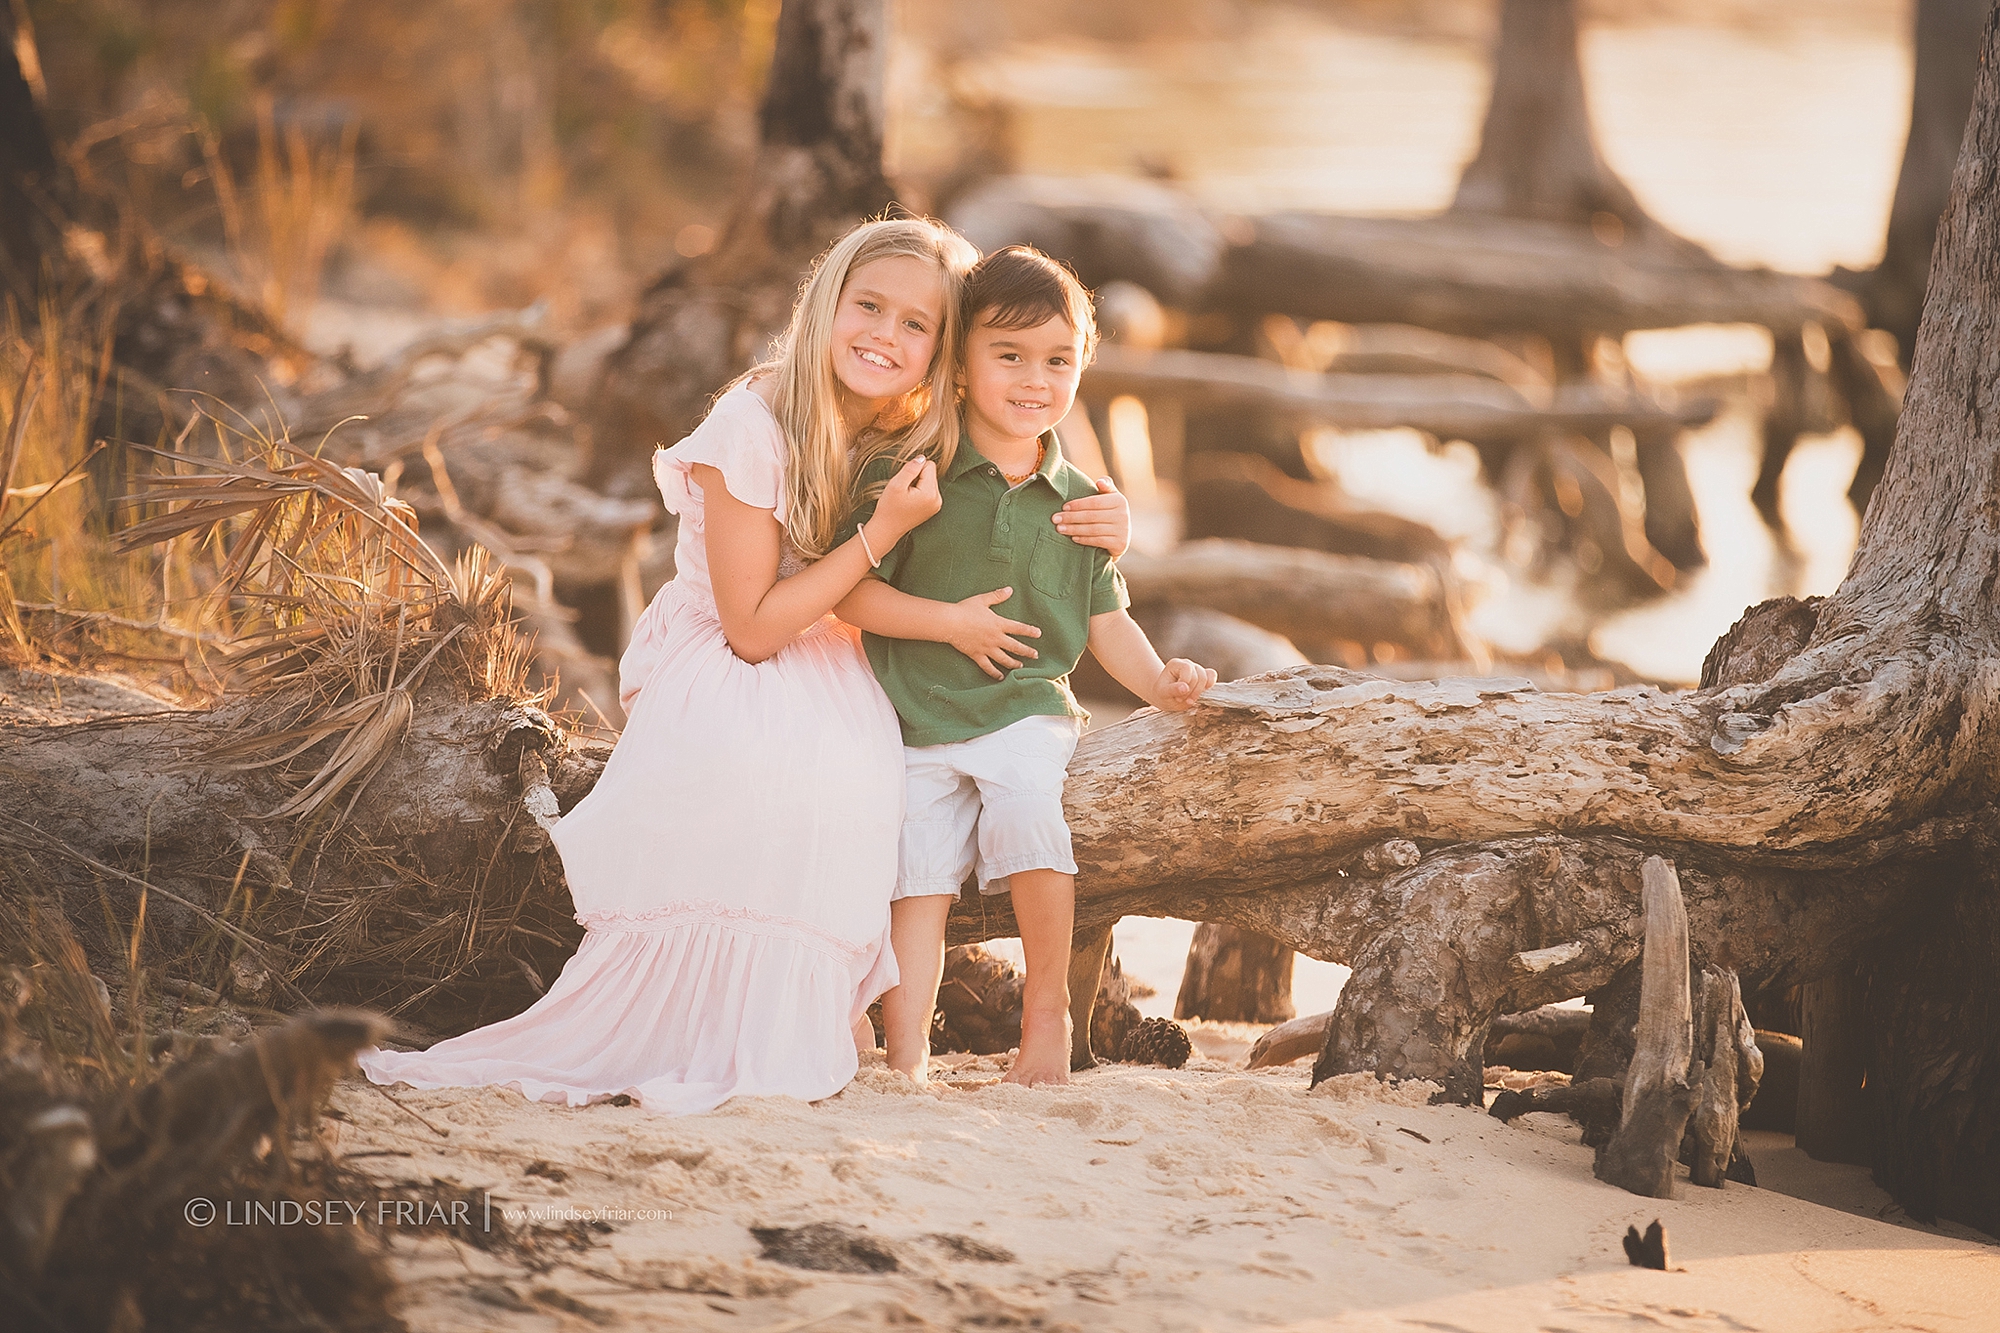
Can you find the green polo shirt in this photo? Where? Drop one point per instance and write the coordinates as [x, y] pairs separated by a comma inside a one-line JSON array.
[[988, 536]]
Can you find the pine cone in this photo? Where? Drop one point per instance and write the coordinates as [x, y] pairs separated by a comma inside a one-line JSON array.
[[1158, 1041]]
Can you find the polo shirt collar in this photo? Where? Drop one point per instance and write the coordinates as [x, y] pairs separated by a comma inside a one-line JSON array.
[[968, 458]]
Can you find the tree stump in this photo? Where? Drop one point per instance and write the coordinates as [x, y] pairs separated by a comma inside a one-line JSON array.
[[1236, 976], [1654, 1110]]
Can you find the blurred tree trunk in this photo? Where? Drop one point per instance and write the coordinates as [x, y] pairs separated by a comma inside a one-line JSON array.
[[29, 174], [1236, 976], [818, 171], [1947, 56], [1538, 157]]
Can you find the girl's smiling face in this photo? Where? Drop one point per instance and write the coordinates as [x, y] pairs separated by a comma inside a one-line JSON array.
[[885, 330]]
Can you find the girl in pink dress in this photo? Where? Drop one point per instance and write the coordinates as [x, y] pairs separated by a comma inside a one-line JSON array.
[[733, 865]]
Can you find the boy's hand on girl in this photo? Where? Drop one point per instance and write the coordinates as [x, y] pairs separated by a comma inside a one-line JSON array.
[[1181, 685], [987, 637], [910, 497], [1103, 520]]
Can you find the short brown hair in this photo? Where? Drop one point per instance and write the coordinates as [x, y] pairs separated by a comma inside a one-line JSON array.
[[1018, 287]]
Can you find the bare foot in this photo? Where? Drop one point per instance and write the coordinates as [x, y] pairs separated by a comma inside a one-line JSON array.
[[917, 1069], [1044, 1056]]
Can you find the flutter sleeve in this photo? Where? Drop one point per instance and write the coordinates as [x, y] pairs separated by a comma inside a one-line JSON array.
[[739, 438]]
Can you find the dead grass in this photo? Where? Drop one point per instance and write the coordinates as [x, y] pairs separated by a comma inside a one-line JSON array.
[[295, 600], [299, 206]]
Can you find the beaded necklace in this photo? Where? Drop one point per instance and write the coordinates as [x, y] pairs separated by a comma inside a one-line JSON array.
[[1041, 452]]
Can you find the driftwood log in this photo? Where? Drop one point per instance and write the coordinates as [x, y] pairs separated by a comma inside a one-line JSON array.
[[1806, 812], [1465, 273], [1550, 1037], [1545, 1038], [1451, 407], [121, 809], [1310, 597]]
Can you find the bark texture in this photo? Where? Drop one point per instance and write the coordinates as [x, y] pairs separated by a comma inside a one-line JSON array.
[[124, 811], [1658, 1094]]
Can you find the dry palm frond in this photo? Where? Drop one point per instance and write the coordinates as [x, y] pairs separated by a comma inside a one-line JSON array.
[[338, 610]]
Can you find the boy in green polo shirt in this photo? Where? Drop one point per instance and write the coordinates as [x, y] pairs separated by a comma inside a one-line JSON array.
[[989, 723]]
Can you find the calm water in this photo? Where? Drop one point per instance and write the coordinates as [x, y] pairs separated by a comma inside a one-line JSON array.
[[1769, 150]]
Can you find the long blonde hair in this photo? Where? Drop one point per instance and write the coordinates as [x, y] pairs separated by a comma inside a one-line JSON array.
[[820, 470]]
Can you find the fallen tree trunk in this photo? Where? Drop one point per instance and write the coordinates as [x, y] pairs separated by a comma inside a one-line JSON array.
[[1450, 407], [1808, 812], [1467, 273], [1310, 597], [1477, 274], [1247, 496], [127, 811]]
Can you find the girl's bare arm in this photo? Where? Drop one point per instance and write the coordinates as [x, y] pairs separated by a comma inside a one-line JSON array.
[[761, 613], [971, 626]]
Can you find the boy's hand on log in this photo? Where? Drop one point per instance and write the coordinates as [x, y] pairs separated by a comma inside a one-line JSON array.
[[910, 497], [987, 637], [1181, 685], [1103, 520]]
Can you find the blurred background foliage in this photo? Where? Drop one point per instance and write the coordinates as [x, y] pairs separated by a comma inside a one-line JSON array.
[[598, 128], [459, 154]]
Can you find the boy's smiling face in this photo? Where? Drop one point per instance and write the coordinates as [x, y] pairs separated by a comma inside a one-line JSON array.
[[1018, 382]]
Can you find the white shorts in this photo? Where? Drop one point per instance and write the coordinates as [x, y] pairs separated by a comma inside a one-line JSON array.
[[991, 805]]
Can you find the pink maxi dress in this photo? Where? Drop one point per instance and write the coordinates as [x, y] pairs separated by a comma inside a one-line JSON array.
[[733, 865]]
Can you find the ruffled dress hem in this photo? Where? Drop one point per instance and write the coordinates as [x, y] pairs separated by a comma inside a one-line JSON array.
[[680, 1008]]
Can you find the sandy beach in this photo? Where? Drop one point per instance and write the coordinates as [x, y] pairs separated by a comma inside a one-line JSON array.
[[1136, 1198]]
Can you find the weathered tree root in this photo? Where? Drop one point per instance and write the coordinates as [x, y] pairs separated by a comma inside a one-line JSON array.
[[102, 1188]]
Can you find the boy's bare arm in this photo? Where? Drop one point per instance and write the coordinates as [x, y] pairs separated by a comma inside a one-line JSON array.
[[1123, 649], [971, 626]]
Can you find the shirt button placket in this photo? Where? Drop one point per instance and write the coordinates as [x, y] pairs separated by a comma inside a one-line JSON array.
[[1003, 527]]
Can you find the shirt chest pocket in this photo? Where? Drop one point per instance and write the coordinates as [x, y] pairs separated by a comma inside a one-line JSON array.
[[1057, 566]]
